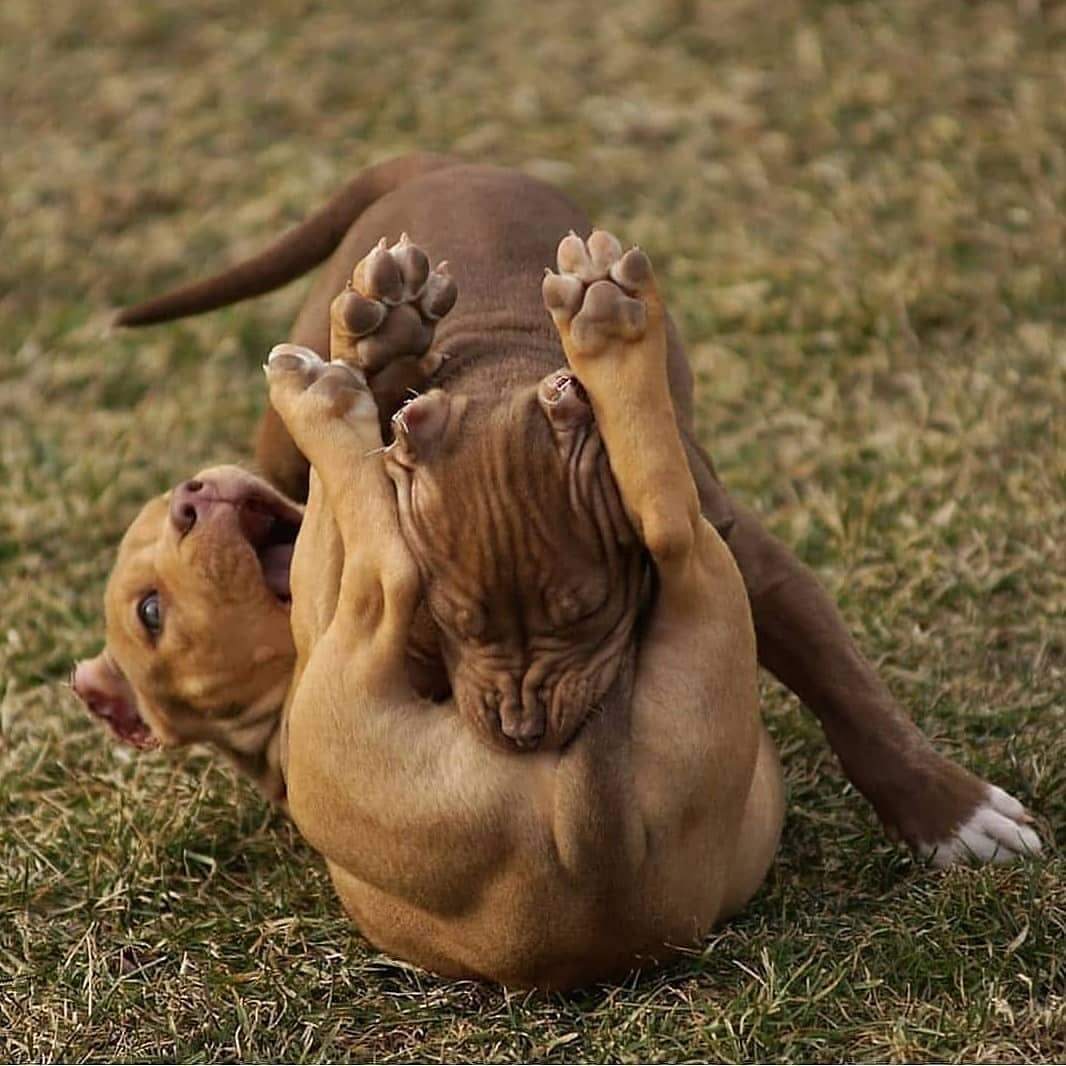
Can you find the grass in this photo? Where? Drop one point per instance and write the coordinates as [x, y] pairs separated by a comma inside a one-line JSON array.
[[857, 210]]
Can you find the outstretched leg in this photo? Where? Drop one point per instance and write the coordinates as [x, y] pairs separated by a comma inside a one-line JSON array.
[[936, 806], [384, 318], [696, 687], [333, 419], [361, 742]]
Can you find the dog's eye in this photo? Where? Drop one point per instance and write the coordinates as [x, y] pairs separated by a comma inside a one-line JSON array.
[[150, 613]]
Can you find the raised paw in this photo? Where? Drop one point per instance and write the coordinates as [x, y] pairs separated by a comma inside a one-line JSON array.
[[601, 295], [390, 309], [997, 831], [309, 394]]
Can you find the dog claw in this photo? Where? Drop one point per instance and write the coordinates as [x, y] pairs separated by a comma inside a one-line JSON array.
[[439, 295], [292, 356], [632, 271], [413, 266]]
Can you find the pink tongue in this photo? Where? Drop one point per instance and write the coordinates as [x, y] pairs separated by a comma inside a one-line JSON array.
[[275, 561]]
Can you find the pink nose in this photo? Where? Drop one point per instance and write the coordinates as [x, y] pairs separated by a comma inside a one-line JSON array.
[[188, 504]]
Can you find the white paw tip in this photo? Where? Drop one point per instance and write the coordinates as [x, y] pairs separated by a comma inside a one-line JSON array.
[[1006, 804], [996, 832], [299, 350]]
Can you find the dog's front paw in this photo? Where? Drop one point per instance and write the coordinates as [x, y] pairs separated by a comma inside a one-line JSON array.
[[601, 295], [390, 309], [998, 830], [310, 394]]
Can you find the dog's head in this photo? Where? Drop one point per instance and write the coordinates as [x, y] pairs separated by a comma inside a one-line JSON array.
[[531, 570], [197, 607]]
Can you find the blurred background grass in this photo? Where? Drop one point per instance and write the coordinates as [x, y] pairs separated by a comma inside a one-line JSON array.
[[857, 213]]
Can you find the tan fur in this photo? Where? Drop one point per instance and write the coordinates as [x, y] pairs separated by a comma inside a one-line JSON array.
[[221, 667], [546, 869], [500, 230]]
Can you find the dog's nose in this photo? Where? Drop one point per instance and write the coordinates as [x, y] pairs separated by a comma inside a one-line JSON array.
[[187, 503]]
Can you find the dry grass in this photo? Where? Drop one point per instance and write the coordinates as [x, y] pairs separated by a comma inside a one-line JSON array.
[[857, 209]]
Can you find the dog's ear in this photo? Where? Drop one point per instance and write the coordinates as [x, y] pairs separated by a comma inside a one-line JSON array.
[[422, 426], [564, 400], [104, 689]]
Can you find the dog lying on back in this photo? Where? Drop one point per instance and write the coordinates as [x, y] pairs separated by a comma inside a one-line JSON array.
[[499, 230]]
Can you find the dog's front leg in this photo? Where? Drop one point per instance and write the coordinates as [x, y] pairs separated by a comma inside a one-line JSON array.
[[611, 319], [375, 773], [331, 414], [392, 789], [695, 716], [381, 331]]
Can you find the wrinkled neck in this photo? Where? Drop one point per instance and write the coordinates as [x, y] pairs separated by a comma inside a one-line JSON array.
[[252, 742]]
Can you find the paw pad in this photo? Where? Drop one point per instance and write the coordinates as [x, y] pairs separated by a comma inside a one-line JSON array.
[[292, 370], [293, 358], [600, 292], [391, 306]]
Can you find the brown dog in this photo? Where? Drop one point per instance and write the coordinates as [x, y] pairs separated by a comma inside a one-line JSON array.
[[499, 230], [662, 814]]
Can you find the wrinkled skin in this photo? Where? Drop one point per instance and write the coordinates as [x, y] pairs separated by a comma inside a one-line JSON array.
[[534, 603], [551, 868]]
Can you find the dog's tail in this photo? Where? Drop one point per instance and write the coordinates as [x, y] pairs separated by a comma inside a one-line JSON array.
[[292, 254]]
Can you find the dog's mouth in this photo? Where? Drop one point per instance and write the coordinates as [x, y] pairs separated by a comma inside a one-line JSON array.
[[126, 724], [270, 526]]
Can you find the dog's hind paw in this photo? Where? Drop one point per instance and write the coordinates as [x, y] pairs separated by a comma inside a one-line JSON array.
[[997, 831], [390, 308]]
